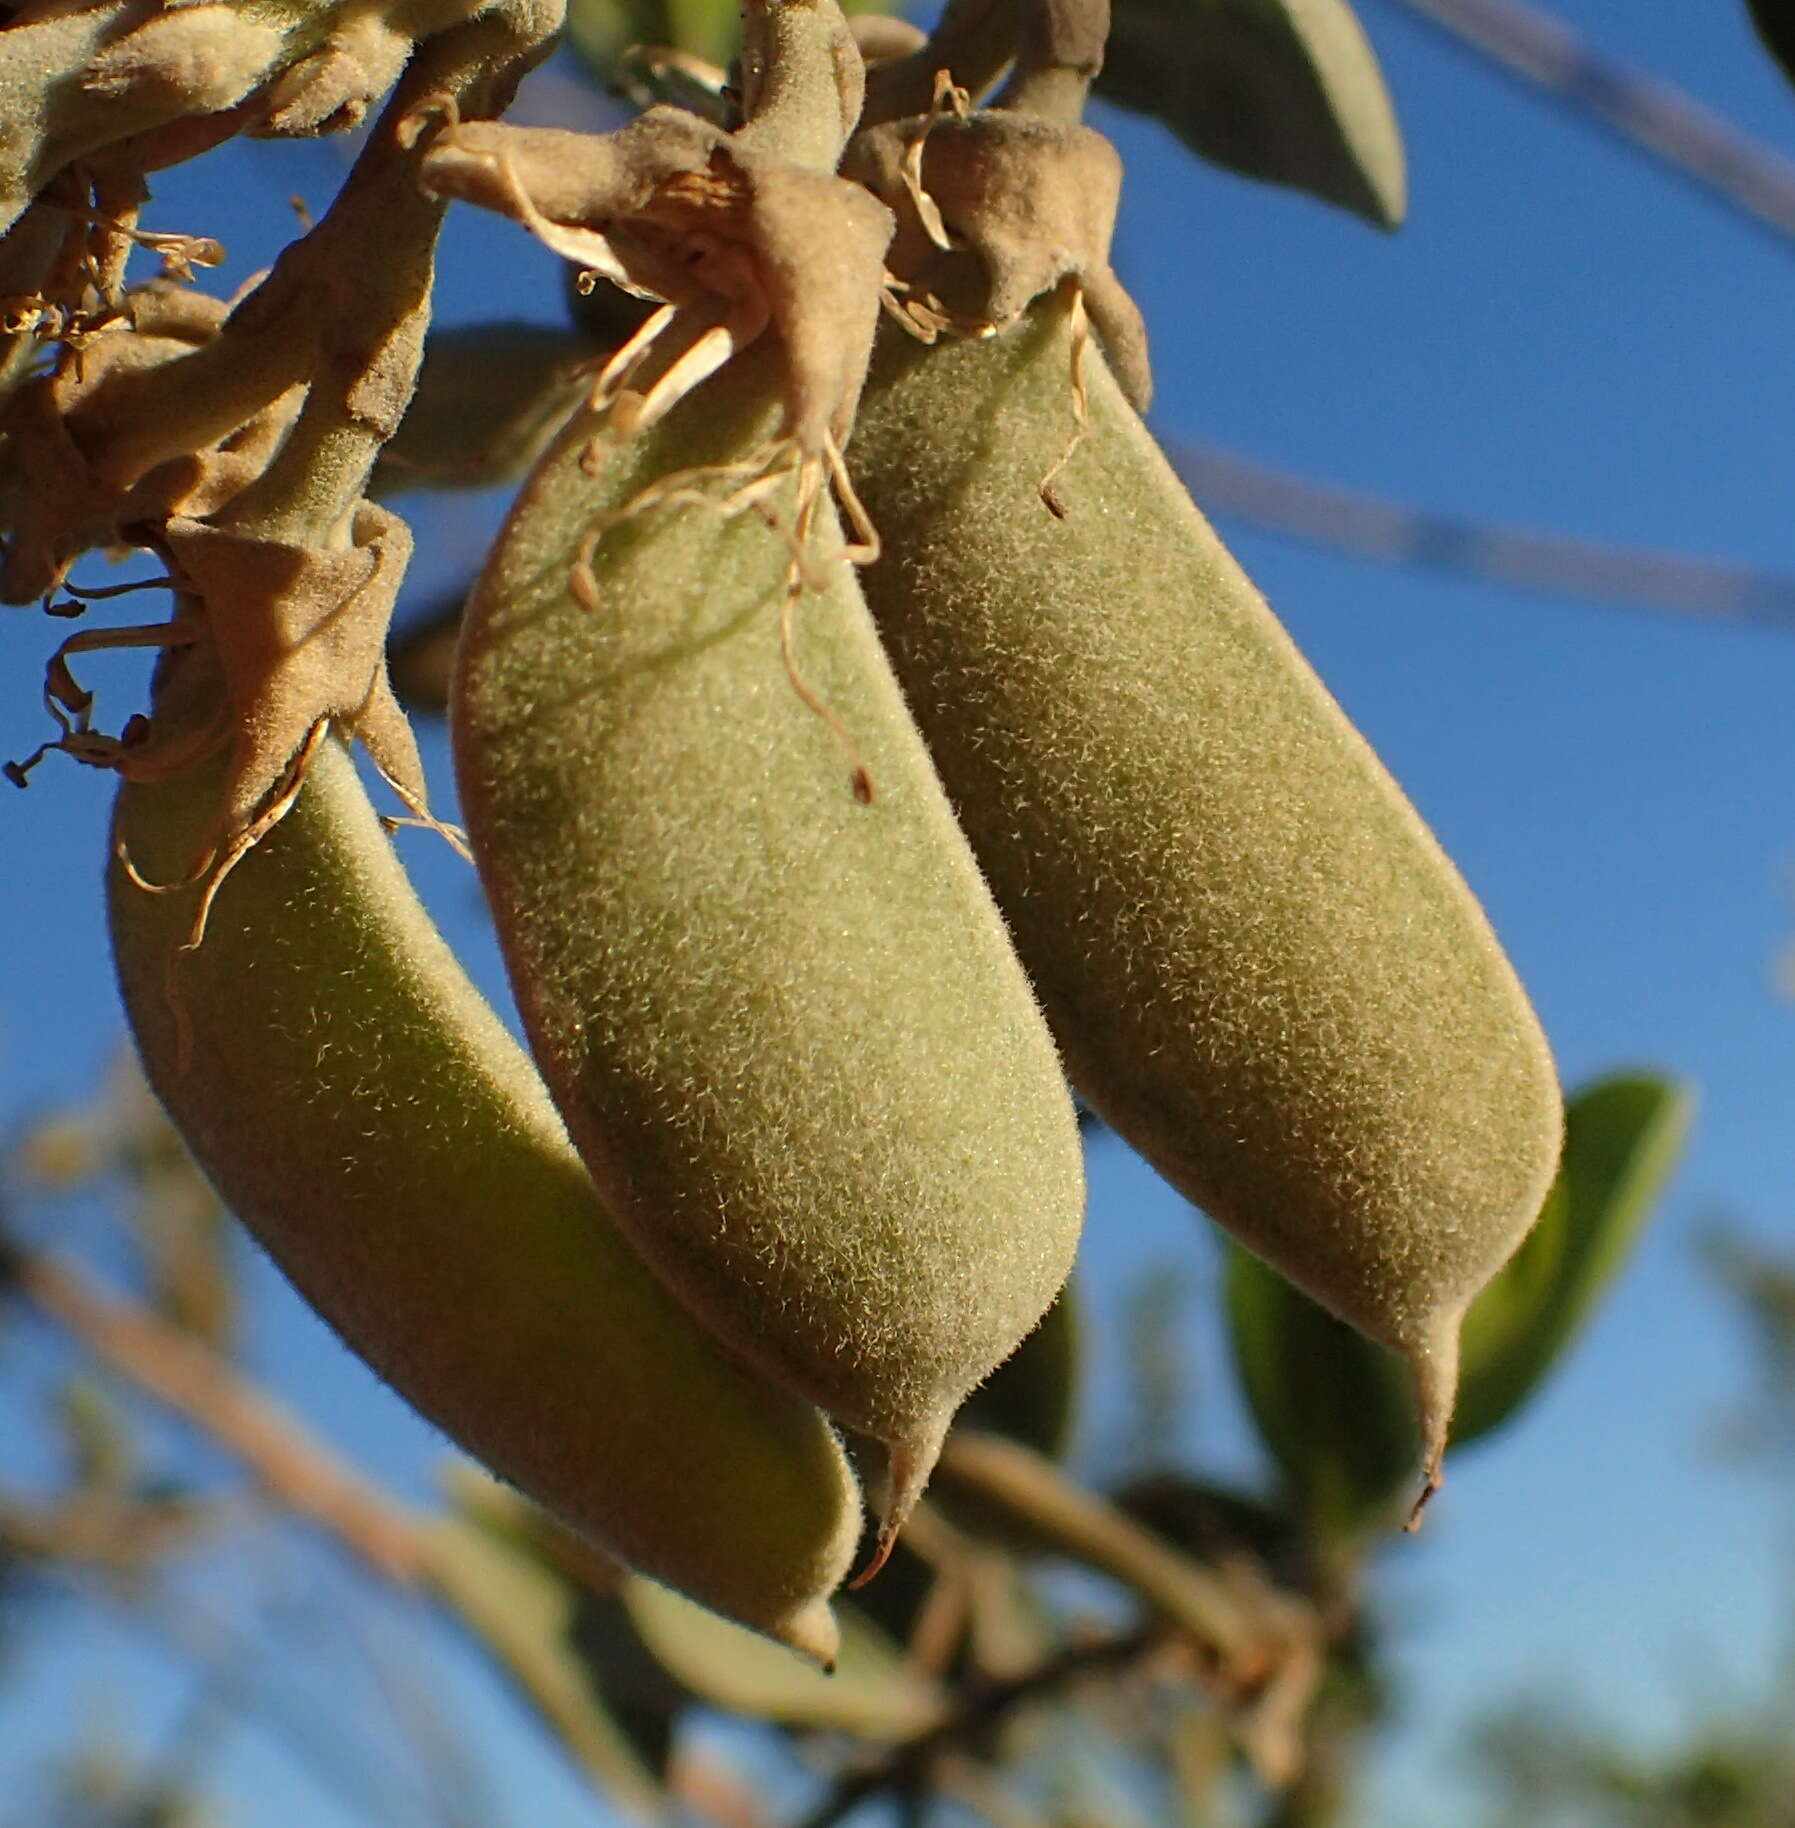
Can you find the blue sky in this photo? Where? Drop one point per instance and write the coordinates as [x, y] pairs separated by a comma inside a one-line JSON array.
[[1561, 337]]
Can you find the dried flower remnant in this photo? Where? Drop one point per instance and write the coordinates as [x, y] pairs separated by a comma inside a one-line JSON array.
[[241, 452], [738, 234], [51, 498], [999, 205]]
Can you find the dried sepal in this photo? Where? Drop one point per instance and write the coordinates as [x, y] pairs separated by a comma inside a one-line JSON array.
[[27, 256], [138, 752], [300, 634], [289, 578], [54, 502], [732, 231], [1021, 204], [123, 424], [997, 207], [741, 235]]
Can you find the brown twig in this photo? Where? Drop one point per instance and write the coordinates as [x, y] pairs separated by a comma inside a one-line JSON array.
[[907, 1766], [1395, 533], [1246, 1633], [207, 1391], [1653, 117]]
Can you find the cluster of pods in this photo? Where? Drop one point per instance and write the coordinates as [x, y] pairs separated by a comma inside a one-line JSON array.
[[860, 736]]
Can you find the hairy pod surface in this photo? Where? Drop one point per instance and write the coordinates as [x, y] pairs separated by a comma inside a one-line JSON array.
[[361, 1108], [786, 1028], [1261, 968]]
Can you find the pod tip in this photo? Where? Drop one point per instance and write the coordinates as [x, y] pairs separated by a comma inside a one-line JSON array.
[[812, 1631], [911, 1459], [1435, 1367]]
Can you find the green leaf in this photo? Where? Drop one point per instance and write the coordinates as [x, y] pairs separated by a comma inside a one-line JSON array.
[[1285, 90], [1623, 1137], [1033, 1395], [522, 1612], [709, 30], [1775, 20], [1334, 1410], [600, 30], [873, 1694]]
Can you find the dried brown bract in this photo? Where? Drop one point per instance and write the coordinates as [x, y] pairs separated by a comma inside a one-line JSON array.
[[738, 234], [994, 209], [57, 505], [673, 207], [237, 443]]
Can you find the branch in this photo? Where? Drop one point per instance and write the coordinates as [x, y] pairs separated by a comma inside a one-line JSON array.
[[335, 1755], [906, 1767], [1655, 118], [207, 1391], [1244, 1628], [1393, 533]]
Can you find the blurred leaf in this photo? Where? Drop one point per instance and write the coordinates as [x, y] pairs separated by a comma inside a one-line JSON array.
[[1623, 1137], [1214, 1523], [1764, 1285], [1199, 1757], [521, 1612], [1010, 1629], [643, 1700], [648, 76], [190, 1248], [1334, 1410], [1775, 20], [873, 1694], [710, 30], [488, 400], [1285, 90], [420, 657], [600, 30], [184, 1237], [1044, 1511], [1033, 1395]]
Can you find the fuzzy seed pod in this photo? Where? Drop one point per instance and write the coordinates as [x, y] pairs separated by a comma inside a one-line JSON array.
[[783, 1021], [1259, 965], [361, 1108]]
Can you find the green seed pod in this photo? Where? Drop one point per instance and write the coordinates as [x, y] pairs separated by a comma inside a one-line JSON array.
[[782, 1020], [358, 1104], [1259, 965]]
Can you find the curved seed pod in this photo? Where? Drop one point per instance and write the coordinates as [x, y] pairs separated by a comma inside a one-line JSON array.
[[1262, 970], [784, 1024], [361, 1108]]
